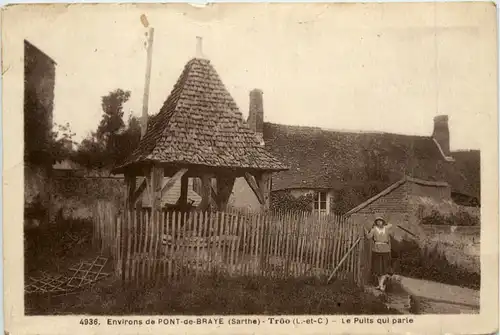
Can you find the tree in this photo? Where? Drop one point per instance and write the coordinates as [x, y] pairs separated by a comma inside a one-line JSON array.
[[113, 140], [112, 119], [64, 139]]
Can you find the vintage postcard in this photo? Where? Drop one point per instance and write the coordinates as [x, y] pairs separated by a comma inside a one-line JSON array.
[[250, 168]]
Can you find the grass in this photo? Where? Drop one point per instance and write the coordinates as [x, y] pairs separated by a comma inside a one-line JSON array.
[[216, 295], [48, 248]]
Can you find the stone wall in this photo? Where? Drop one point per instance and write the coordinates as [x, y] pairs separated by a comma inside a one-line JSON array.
[[75, 197], [36, 184]]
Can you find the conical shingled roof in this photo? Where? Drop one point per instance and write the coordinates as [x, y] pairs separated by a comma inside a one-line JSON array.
[[200, 124]]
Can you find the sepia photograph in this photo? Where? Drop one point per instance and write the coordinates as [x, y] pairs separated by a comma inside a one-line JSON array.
[[252, 160]]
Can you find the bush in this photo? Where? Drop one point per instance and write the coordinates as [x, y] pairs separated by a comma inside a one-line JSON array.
[[460, 218], [427, 262], [284, 201]]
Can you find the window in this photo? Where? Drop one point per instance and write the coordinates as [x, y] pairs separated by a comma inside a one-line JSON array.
[[320, 202]]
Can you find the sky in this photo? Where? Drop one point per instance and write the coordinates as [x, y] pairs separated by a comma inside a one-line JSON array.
[[373, 67]]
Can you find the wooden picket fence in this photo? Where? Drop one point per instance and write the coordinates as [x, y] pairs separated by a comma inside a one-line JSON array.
[[172, 245], [105, 228]]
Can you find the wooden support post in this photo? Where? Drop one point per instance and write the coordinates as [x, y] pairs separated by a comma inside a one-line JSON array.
[[129, 194], [171, 182], [146, 188], [157, 174], [206, 190], [182, 202], [264, 182], [225, 186], [255, 187], [138, 193], [213, 194]]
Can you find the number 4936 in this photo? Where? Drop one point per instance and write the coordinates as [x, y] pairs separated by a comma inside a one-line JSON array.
[[89, 322]]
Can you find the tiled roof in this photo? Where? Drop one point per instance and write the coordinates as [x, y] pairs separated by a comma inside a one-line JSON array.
[[393, 187], [200, 124], [329, 159], [465, 173]]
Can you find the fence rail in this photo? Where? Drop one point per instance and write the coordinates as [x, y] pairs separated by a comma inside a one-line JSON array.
[[164, 245]]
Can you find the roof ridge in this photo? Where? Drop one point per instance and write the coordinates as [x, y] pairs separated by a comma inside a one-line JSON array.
[[392, 187], [179, 85], [427, 182], [348, 131], [169, 105], [388, 190], [465, 150]]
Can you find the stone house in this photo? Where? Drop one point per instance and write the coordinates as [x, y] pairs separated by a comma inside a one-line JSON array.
[[396, 205], [39, 81], [342, 169]]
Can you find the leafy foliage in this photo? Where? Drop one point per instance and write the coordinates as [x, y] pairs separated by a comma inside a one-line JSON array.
[[431, 264], [460, 218], [113, 140], [351, 196], [284, 201]]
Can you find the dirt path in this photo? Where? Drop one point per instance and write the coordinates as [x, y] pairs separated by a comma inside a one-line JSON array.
[[399, 301], [436, 298], [395, 297]]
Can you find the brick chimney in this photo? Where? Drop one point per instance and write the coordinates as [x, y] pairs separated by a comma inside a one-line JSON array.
[[441, 134], [256, 113]]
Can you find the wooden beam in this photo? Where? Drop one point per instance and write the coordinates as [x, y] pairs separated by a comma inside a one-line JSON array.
[[197, 189], [225, 186], [157, 174], [171, 182], [206, 188], [138, 192], [213, 193], [264, 182], [144, 187], [343, 259], [183, 197], [255, 187], [130, 189]]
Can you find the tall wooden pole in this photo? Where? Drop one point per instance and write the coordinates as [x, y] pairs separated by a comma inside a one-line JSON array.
[[145, 103]]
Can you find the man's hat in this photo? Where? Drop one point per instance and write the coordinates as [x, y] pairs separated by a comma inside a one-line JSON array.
[[379, 218]]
